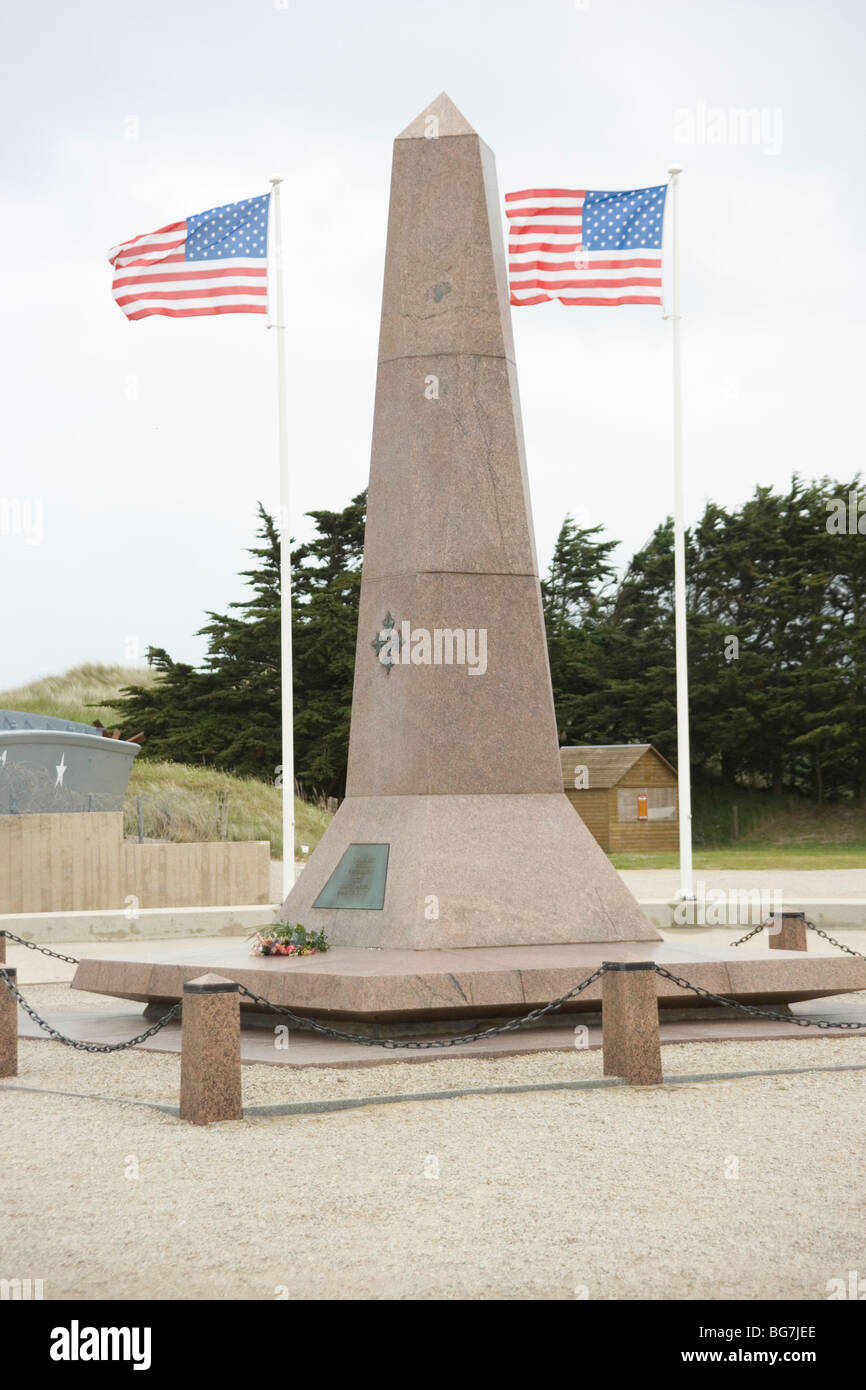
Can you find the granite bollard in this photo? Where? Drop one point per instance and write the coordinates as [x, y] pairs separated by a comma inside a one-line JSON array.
[[210, 1057], [8, 1026], [630, 1023], [788, 931]]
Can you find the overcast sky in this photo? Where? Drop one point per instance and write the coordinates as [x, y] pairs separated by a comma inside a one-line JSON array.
[[147, 445]]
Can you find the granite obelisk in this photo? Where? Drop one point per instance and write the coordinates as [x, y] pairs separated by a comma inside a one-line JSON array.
[[455, 831]]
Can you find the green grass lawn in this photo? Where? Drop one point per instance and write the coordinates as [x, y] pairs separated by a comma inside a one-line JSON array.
[[756, 856], [776, 832]]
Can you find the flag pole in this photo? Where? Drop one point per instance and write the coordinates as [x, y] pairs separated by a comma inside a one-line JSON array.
[[686, 889], [286, 704]]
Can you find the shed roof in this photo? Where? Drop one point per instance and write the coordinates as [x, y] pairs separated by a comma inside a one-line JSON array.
[[607, 762]]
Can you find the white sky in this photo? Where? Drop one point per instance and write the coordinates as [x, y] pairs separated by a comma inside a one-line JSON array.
[[148, 444]]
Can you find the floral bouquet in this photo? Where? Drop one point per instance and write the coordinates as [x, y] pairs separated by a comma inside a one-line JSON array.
[[287, 939]]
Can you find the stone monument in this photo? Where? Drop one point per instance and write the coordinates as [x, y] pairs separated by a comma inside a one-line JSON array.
[[455, 830], [455, 881]]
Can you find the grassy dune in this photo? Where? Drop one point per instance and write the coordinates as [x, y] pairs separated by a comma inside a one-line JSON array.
[[179, 801], [85, 693]]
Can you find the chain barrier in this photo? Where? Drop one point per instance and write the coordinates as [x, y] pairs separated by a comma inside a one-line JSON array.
[[749, 934], [31, 946], [426, 1043], [76, 1042], [751, 1009], [833, 942], [849, 950]]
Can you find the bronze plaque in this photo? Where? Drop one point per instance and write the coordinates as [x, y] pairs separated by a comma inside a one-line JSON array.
[[358, 880]]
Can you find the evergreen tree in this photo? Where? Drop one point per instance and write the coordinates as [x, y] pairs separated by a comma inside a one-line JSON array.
[[572, 598], [327, 586], [776, 605], [228, 712], [638, 649]]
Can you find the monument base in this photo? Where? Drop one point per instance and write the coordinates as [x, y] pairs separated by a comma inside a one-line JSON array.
[[466, 872], [393, 986]]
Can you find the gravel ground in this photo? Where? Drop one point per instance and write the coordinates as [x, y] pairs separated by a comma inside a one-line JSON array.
[[621, 1193]]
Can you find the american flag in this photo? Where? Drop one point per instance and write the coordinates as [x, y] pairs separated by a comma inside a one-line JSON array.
[[212, 263], [584, 247]]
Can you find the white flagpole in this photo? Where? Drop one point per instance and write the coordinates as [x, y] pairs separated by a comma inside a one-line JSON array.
[[683, 754], [286, 705]]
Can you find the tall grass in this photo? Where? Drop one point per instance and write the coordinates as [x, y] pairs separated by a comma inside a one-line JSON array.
[[767, 818], [182, 802], [85, 693]]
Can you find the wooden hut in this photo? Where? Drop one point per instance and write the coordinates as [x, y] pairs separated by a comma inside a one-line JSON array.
[[625, 793]]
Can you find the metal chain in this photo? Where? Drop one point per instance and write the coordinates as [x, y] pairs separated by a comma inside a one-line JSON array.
[[394, 1044], [76, 1042], [31, 946], [425, 1044], [750, 1008], [749, 934], [832, 940], [849, 950]]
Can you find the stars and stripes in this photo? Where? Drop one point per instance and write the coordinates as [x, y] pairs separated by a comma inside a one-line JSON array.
[[212, 263], [581, 246]]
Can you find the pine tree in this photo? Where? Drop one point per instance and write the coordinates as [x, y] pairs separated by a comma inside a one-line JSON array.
[[572, 598], [776, 604], [228, 712], [327, 586]]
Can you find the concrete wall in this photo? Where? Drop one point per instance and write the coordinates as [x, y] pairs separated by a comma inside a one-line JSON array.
[[72, 863]]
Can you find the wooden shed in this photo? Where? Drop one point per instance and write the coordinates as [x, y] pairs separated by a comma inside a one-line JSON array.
[[625, 793]]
